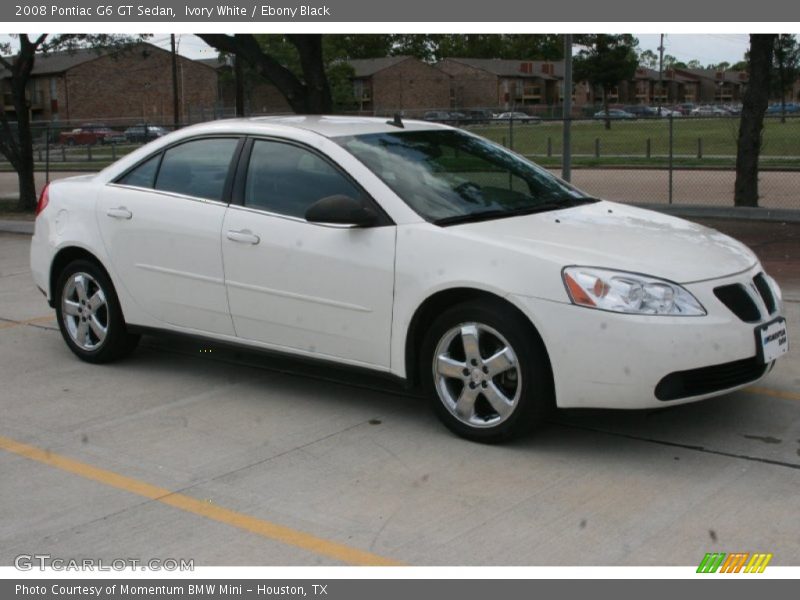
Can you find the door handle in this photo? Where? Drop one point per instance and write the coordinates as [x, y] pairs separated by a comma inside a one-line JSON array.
[[245, 236], [119, 213]]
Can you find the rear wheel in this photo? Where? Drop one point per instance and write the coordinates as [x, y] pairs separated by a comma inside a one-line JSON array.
[[89, 314], [486, 372]]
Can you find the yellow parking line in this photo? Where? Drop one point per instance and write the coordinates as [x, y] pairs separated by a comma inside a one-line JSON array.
[[774, 393], [202, 508], [34, 321]]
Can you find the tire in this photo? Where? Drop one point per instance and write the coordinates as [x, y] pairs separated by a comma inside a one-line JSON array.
[[89, 314], [486, 400], [70, 142]]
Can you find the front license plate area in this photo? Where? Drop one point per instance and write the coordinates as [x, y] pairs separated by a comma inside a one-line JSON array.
[[772, 340]]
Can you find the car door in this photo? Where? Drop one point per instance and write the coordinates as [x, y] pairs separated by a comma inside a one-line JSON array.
[[320, 290], [161, 224]]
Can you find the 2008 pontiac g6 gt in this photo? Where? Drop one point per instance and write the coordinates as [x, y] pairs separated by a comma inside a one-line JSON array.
[[411, 248]]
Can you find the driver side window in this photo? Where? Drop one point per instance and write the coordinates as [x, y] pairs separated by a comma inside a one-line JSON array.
[[286, 179]]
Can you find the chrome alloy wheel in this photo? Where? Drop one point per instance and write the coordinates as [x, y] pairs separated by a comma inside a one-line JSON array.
[[84, 310], [477, 375]]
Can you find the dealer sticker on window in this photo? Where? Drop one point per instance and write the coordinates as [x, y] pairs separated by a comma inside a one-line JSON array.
[[772, 340]]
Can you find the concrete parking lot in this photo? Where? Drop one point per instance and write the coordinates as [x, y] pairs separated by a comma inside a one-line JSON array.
[[236, 458]]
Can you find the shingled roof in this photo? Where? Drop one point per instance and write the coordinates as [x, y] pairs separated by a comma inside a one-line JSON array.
[[365, 67], [514, 68]]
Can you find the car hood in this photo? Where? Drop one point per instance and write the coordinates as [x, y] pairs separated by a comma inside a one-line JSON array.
[[616, 236]]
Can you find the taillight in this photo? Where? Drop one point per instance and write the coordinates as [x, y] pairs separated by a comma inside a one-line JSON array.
[[44, 198]]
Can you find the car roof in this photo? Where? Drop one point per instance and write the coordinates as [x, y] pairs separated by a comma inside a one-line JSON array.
[[328, 126]]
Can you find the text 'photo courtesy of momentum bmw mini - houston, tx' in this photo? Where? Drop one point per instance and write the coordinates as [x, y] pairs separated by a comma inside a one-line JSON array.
[[410, 248]]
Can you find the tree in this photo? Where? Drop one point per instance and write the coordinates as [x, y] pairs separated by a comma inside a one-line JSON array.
[[670, 61], [16, 141], [515, 46], [307, 89], [605, 61], [649, 59], [754, 105], [786, 67]]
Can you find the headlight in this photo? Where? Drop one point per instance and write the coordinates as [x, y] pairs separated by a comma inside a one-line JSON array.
[[632, 293]]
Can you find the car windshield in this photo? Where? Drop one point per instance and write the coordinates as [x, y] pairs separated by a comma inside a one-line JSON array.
[[449, 176]]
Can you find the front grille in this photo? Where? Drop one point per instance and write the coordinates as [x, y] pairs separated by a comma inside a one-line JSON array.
[[736, 298], [766, 293], [705, 380]]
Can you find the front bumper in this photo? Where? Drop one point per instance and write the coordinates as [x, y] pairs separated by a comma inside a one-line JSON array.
[[610, 360]]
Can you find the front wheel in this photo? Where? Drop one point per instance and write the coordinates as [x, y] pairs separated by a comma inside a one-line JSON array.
[[89, 314], [486, 372]]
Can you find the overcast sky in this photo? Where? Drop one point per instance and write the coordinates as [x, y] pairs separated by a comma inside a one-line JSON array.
[[707, 48]]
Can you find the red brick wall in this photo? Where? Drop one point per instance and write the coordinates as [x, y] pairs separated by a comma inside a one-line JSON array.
[[472, 88], [411, 86], [136, 85]]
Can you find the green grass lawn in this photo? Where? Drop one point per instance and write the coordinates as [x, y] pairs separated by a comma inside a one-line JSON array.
[[628, 139], [625, 144]]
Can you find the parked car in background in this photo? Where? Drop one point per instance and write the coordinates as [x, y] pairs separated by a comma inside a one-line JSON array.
[[733, 109], [520, 117], [790, 108], [685, 108], [641, 110], [709, 111], [615, 114], [440, 116], [144, 133], [480, 116], [89, 134], [427, 253], [668, 112]]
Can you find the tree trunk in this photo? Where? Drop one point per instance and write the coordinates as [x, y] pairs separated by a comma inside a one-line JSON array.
[[605, 109], [319, 100], [309, 96], [754, 105]]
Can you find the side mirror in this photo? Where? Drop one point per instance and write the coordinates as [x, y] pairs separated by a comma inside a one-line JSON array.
[[341, 210]]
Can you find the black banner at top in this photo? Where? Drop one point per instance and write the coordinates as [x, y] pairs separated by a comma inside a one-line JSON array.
[[266, 11]]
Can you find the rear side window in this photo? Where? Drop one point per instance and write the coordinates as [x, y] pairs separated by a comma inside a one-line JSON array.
[[144, 175], [286, 179], [198, 168]]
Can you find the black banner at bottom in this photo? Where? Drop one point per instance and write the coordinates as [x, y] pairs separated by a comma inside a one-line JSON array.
[[733, 588]]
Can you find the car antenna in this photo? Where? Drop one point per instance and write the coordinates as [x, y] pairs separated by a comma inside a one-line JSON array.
[[397, 121]]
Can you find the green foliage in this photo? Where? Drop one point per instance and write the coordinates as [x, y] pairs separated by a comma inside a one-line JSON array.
[[507, 46], [605, 59], [648, 58], [785, 64]]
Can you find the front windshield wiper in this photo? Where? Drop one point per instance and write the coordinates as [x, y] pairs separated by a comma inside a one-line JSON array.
[[485, 215]]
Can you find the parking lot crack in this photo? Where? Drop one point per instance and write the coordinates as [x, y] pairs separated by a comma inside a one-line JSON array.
[[694, 448]]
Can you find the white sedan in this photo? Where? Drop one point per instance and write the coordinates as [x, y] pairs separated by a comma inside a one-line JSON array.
[[411, 248]]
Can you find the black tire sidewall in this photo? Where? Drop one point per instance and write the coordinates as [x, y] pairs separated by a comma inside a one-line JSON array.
[[536, 397], [118, 341]]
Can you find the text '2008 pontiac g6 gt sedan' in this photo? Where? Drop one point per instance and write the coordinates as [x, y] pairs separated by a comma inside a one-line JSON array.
[[410, 248]]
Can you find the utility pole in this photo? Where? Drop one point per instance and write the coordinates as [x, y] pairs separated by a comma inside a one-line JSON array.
[[566, 144], [176, 105], [660, 73], [238, 76]]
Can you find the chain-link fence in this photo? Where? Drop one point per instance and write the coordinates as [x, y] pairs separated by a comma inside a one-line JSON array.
[[675, 160]]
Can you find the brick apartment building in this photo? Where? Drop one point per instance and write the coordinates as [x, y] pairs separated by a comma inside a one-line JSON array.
[[260, 96], [479, 82], [399, 83], [133, 84]]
